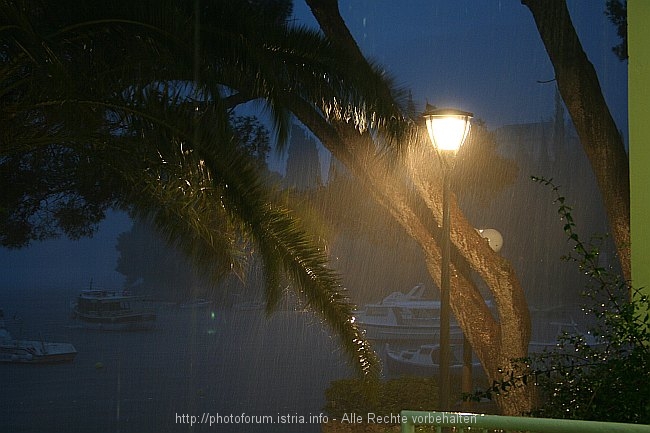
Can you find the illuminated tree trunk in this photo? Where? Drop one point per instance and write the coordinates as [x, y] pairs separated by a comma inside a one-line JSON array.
[[495, 340]]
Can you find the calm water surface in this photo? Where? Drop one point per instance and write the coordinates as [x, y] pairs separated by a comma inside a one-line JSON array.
[[208, 361]]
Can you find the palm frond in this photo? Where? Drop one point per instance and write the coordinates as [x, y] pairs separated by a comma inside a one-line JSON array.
[[111, 85]]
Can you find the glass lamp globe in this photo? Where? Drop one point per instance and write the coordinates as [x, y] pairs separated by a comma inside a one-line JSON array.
[[448, 128]]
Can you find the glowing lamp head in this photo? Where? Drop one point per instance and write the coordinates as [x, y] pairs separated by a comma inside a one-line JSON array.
[[448, 128]]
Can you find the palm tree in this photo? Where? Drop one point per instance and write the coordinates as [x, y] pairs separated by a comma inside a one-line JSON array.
[[127, 105]]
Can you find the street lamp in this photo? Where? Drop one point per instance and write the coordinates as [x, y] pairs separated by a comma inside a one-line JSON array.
[[494, 238], [448, 128]]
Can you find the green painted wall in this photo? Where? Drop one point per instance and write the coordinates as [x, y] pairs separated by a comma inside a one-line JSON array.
[[639, 120]]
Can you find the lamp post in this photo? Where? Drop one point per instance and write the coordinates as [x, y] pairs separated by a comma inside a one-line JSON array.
[[448, 128]]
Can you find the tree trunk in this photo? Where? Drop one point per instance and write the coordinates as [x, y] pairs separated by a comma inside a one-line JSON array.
[[495, 340], [580, 89]]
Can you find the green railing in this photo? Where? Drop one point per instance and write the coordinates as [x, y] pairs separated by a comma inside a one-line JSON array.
[[469, 422]]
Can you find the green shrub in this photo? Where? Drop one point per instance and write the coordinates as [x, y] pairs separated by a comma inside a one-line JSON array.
[[608, 381], [386, 398], [605, 381]]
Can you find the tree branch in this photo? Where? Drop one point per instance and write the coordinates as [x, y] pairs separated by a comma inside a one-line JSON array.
[[580, 89]]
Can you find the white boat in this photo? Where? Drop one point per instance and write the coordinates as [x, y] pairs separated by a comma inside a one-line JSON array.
[[424, 360], [402, 316], [549, 339], [113, 310], [32, 352]]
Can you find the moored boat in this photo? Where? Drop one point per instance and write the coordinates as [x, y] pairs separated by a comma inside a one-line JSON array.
[[113, 310], [550, 337], [404, 316], [32, 351], [423, 361], [195, 303]]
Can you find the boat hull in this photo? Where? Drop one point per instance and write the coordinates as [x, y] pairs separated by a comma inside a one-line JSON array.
[[127, 322], [400, 367], [387, 332], [36, 352], [415, 363], [113, 311], [404, 317]]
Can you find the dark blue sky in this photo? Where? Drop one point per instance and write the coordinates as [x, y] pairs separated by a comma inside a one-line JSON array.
[[483, 56]]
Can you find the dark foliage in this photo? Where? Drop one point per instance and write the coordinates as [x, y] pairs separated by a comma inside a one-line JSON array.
[[127, 104], [605, 378], [616, 10]]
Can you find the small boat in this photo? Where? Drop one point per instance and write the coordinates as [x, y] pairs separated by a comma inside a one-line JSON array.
[[424, 360], [32, 352], [195, 303], [250, 306], [550, 339], [402, 316], [113, 310]]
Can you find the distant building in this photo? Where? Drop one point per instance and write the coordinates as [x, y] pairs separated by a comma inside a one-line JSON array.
[[526, 213], [303, 170], [543, 146]]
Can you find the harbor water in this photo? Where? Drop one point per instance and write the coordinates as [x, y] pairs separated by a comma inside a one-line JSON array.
[[204, 369]]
